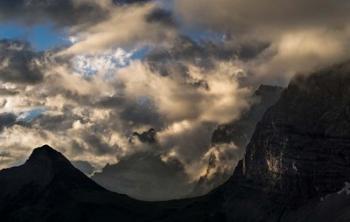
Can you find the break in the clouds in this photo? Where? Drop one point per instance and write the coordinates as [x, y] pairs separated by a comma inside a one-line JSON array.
[[139, 90]]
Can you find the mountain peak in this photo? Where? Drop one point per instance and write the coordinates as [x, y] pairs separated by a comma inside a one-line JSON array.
[[48, 171], [46, 153], [48, 150]]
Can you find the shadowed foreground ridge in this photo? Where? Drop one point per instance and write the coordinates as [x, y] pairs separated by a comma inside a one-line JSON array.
[[48, 188], [301, 147]]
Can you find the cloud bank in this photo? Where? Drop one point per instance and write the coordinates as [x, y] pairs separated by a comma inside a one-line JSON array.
[[140, 89]]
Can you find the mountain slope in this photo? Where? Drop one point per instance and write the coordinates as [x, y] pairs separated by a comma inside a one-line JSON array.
[[301, 147], [299, 154], [48, 188], [239, 132]]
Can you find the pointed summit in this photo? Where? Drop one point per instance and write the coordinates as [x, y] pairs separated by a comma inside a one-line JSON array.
[[49, 188], [48, 171], [46, 153]]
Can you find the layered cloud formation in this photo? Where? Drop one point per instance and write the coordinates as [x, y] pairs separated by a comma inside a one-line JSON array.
[[304, 35], [143, 84]]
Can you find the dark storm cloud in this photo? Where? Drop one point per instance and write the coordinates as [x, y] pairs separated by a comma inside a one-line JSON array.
[[5, 154], [7, 120], [126, 2], [137, 112], [19, 63], [8, 92], [243, 15], [162, 16], [203, 53], [56, 122], [61, 12], [294, 31], [111, 102], [141, 114], [99, 147], [148, 136]]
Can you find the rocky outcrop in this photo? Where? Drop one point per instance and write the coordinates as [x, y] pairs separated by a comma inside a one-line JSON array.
[[301, 147], [240, 131]]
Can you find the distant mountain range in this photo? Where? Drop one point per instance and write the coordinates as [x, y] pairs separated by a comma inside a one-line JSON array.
[[295, 169]]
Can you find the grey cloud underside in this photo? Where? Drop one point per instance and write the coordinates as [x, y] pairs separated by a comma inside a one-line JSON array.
[[162, 16], [7, 120], [149, 136], [252, 14], [203, 53], [68, 12], [294, 30], [8, 92], [18, 63], [123, 2], [61, 12]]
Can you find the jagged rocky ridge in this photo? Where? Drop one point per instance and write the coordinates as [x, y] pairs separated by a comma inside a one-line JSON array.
[[239, 132], [301, 147]]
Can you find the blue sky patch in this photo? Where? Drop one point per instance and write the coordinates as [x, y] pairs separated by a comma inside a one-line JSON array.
[[31, 115], [41, 36]]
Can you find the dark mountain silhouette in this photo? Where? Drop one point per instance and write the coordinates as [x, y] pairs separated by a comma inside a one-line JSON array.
[[48, 188]]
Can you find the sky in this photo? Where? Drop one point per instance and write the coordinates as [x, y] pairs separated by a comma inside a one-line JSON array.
[[41, 36], [133, 90]]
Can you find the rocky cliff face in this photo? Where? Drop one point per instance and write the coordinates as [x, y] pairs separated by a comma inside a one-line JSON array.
[[240, 131], [301, 147]]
